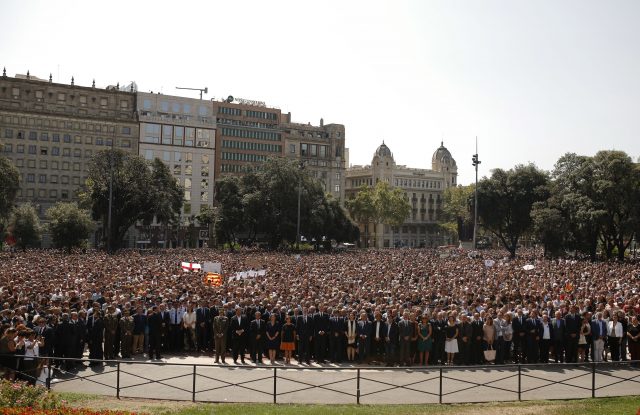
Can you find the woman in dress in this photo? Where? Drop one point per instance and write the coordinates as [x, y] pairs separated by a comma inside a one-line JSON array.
[[288, 337], [350, 333], [585, 331], [451, 336], [425, 340], [273, 337], [507, 337]]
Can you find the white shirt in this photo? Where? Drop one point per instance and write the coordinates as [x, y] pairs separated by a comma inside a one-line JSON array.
[[378, 329], [189, 319], [31, 349], [176, 313], [617, 332], [546, 335]]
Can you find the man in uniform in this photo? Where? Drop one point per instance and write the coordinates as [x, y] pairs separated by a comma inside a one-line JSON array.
[[126, 334], [110, 329], [220, 329]]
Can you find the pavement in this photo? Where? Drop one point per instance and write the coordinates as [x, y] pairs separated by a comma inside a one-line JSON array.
[[174, 378]]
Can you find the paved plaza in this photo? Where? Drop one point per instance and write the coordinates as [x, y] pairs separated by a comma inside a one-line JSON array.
[[339, 384]]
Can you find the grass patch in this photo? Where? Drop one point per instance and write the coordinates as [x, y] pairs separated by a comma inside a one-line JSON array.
[[629, 405]]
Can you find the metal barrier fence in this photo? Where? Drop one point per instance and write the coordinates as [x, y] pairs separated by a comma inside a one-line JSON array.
[[361, 385]]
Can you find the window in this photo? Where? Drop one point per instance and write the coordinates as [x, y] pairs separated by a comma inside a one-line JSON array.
[[204, 183], [55, 138], [187, 208], [8, 148], [204, 137], [66, 138], [43, 151], [77, 152], [313, 150], [187, 195], [29, 192], [61, 97], [8, 133], [76, 166], [20, 148], [99, 141], [31, 178], [292, 148], [66, 152], [188, 170], [203, 111], [177, 168], [64, 194], [178, 136], [151, 133], [204, 159], [125, 144], [54, 165], [33, 135], [175, 107], [54, 178], [126, 130], [204, 196], [32, 149], [15, 92], [166, 156], [187, 183], [53, 193], [189, 136], [322, 151], [88, 153], [83, 100], [42, 178], [148, 154], [303, 150], [204, 171], [104, 102], [31, 163], [43, 164], [44, 137], [55, 151], [146, 104], [188, 157], [186, 108], [19, 162], [336, 188], [167, 134], [65, 165], [337, 176], [177, 156], [124, 105]]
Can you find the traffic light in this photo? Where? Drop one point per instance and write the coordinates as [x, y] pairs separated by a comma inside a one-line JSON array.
[[475, 160]]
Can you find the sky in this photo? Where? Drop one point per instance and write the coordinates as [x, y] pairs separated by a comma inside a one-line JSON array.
[[532, 80]]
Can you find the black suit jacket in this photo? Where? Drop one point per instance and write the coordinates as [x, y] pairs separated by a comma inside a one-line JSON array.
[[304, 330], [572, 324], [321, 323], [383, 329], [234, 326], [255, 330], [392, 332], [155, 324]]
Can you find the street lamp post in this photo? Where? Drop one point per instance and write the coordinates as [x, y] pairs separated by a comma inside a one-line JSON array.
[[475, 163], [301, 167]]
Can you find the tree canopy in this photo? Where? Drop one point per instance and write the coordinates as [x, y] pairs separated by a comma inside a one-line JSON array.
[[264, 205], [69, 225], [141, 191], [24, 226], [9, 185]]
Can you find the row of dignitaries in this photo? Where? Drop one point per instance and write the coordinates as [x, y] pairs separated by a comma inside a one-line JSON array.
[[405, 336]]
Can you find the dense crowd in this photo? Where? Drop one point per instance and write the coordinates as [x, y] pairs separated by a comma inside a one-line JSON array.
[[397, 307]]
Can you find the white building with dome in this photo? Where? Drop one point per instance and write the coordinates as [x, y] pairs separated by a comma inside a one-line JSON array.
[[423, 188]]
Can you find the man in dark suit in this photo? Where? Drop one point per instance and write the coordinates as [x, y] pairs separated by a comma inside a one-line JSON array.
[[406, 332], [438, 326], [322, 328], [378, 330], [335, 337], [533, 328], [572, 322], [519, 339], [154, 320], [558, 337], [464, 340], [166, 323], [257, 333], [363, 333], [391, 336], [304, 335], [203, 321], [238, 327], [477, 333]]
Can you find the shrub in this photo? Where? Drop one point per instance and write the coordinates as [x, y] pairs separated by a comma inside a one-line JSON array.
[[19, 394]]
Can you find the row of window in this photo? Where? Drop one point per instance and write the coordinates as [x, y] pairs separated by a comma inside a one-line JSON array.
[[175, 107], [62, 98], [424, 184], [188, 170], [262, 114], [243, 157], [63, 124], [66, 138], [239, 168], [177, 156], [257, 135], [314, 150], [52, 178], [53, 165], [188, 183], [204, 196], [244, 145], [245, 123], [177, 136], [230, 111], [42, 193]]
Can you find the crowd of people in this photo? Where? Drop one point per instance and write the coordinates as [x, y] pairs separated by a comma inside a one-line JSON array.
[[394, 307]]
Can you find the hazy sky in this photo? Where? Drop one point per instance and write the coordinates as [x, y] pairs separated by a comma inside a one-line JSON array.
[[531, 79]]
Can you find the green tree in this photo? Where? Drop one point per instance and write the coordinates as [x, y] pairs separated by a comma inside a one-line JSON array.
[[69, 225], [505, 201], [382, 204], [229, 215], [617, 183], [550, 227], [457, 211], [132, 195], [24, 225], [9, 185], [167, 197]]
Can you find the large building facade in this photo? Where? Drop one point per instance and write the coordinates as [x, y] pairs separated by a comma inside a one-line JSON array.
[[423, 189], [50, 131]]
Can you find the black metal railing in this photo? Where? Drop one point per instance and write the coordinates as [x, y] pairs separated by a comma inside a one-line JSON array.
[[441, 384]]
